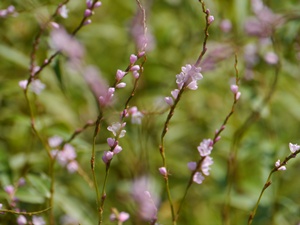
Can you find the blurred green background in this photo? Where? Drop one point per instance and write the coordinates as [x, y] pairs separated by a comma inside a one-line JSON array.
[[175, 29]]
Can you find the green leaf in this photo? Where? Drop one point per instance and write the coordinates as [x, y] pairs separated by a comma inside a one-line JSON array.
[[41, 184], [58, 74]]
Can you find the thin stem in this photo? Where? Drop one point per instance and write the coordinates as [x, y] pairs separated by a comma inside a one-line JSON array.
[[268, 183], [238, 136], [24, 213]]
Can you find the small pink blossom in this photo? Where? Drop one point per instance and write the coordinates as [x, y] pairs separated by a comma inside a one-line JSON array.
[[198, 178], [55, 141], [135, 74], [169, 101], [87, 22], [120, 74], [88, 13], [135, 68], [107, 156], [277, 164], [121, 85], [238, 95], [192, 166], [63, 11], [23, 84], [133, 58], [226, 25], [10, 190], [98, 4], [21, 220], [294, 147], [205, 166], [38, 220], [234, 88], [89, 3], [117, 149], [106, 100], [72, 166], [210, 19], [188, 77], [175, 93], [271, 58], [205, 147], [123, 216], [116, 129], [163, 171], [111, 142]]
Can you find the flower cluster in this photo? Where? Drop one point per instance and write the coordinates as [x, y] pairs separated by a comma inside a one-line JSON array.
[[89, 10], [36, 220], [136, 115], [10, 10], [188, 78], [204, 149], [36, 85], [235, 90], [65, 157], [106, 99], [294, 148], [115, 148]]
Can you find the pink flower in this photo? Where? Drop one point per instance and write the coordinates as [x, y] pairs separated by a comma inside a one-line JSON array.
[[234, 88], [192, 166], [123, 216], [21, 220], [163, 171], [133, 58], [205, 166], [188, 77], [205, 147], [72, 166], [105, 100], [120, 74], [110, 142], [55, 141], [107, 156], [169, 101], [38, 220], [277, 164], [63, 11], [117, 149], [294, 147], [116, 129], [210, 19], [198, 178], [121, 85]]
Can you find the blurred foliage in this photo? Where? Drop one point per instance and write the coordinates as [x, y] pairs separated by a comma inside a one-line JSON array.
[[176, 29]]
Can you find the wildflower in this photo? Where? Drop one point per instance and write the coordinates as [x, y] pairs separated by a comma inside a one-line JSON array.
[[23, 84], [277, 164], [163, 171], [135, 68], [205, 147], [210, 19], [9, 189], [192, 166], [226, 25], [72, 166], [120, 74], [37, 86], [55, 141], [271, 58], [123, 216], [234, 88], [88, 13], [238, 95], [21, 220], [169, 101], [198, 178], [117, 149], [188, 77], [133, 58], [98, 4], [145, 194], [175, 93], [63, 11], [205, 166], [294, 147], [110, 142], [87, 22], [136, 115], [38, 220], [105, 100], [107, 156], [116, 129]]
